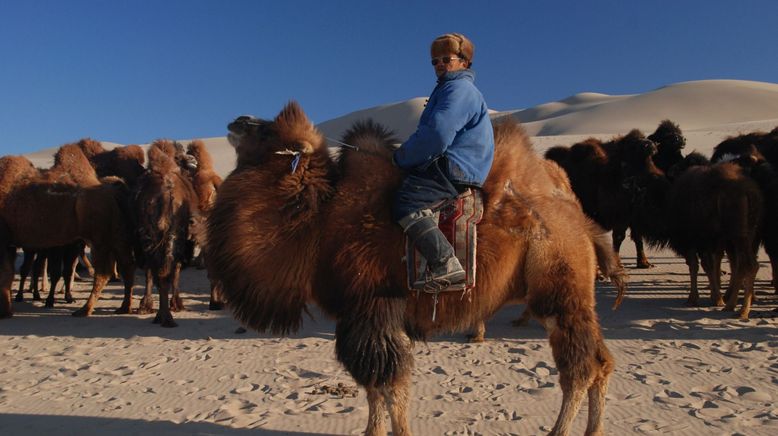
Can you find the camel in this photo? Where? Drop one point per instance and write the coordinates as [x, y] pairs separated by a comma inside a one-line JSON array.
[[669, 142], [70, 167], [205, 182], [43, 215], [166, 207], [290, 227], [595, 170], [703, 212]]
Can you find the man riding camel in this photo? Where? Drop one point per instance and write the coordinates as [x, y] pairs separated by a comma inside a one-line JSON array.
[[451, 151]]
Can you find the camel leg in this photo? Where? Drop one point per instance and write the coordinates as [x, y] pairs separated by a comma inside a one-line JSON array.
[[372, 345], [70, 260], [84, 259], [376, 416], [597, 391], [7, 258], [711, 264], [618, 235], [748, 296], [735, 280], [24, 271], [694, 267], [103, 263], [39, 272], [397, 397], [477, 331], [164, 315], [147, 302], [55, 256], [642, 260], [774, 266], [127, 271], [522, 320], [584, 364], [216, 303], [176, 304]]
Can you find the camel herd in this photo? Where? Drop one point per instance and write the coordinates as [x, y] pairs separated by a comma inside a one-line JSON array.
[[295, 224], [700, 208], [131, 215]]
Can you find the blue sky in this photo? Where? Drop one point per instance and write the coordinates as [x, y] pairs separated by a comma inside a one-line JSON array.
[[132, 71]]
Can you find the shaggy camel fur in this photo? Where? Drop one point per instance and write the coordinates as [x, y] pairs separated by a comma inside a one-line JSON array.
[[669, 142], [43, 215], [706, 211], [205, 182], [746, 148], [596, 175], [607, 261], [279, 239], [125, 162], [71, 167], [183, 168], [166, 205]]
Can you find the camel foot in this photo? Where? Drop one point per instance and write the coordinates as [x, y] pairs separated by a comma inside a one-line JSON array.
[[123, 309], [742, 316], [475, 339], [82, 313], [728, 308], [69, 299], [36, 296], [521, 322], [215, 305], [177, 305], [718, 302], [49, 302], [644, 265], [692, 301], [19, 297], [165, 320], [240, 330]]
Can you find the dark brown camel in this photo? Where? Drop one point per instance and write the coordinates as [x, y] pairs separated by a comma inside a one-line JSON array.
[[704, 212], [71, 167], [43, 215], [762, 148], [280, 239], [165, 211], [596, 175]]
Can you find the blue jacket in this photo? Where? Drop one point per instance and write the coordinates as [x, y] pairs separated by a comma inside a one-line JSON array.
[[455, 124]]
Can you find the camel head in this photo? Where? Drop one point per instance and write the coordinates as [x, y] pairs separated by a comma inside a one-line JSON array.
[[197, 151], [668, 136], [90, 147], [255, 139], [635, 149], [175, 151], [693, 159]]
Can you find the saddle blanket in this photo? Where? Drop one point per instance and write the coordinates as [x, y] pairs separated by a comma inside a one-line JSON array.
[[457, 219]]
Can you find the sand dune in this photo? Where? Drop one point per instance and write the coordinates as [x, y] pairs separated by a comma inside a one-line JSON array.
[[679, 370]]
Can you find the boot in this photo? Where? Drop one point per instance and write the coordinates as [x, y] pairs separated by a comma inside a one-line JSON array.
[[444, 267]]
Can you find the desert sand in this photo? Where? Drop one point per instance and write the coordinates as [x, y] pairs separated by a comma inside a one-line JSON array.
[[679, 370]]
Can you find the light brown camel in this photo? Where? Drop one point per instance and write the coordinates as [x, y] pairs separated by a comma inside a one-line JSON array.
[[205, 182], [282, 236]]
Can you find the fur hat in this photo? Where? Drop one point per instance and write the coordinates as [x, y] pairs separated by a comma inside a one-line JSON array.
[[453, 43]]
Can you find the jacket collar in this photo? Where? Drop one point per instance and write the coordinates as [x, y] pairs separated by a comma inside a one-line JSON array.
[[456, 75]]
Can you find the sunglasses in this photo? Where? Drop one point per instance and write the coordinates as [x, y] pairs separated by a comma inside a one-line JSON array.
[[445, 59]]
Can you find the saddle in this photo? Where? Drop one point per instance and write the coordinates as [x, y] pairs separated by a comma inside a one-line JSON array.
[[457, 219]]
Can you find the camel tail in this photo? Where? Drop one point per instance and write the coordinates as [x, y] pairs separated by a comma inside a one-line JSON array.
[[608, 261]]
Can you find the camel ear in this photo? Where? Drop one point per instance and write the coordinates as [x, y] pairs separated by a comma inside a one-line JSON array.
[[292, 115]]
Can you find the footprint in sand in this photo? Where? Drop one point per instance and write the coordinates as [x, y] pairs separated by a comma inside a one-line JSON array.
[[649, 379]]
